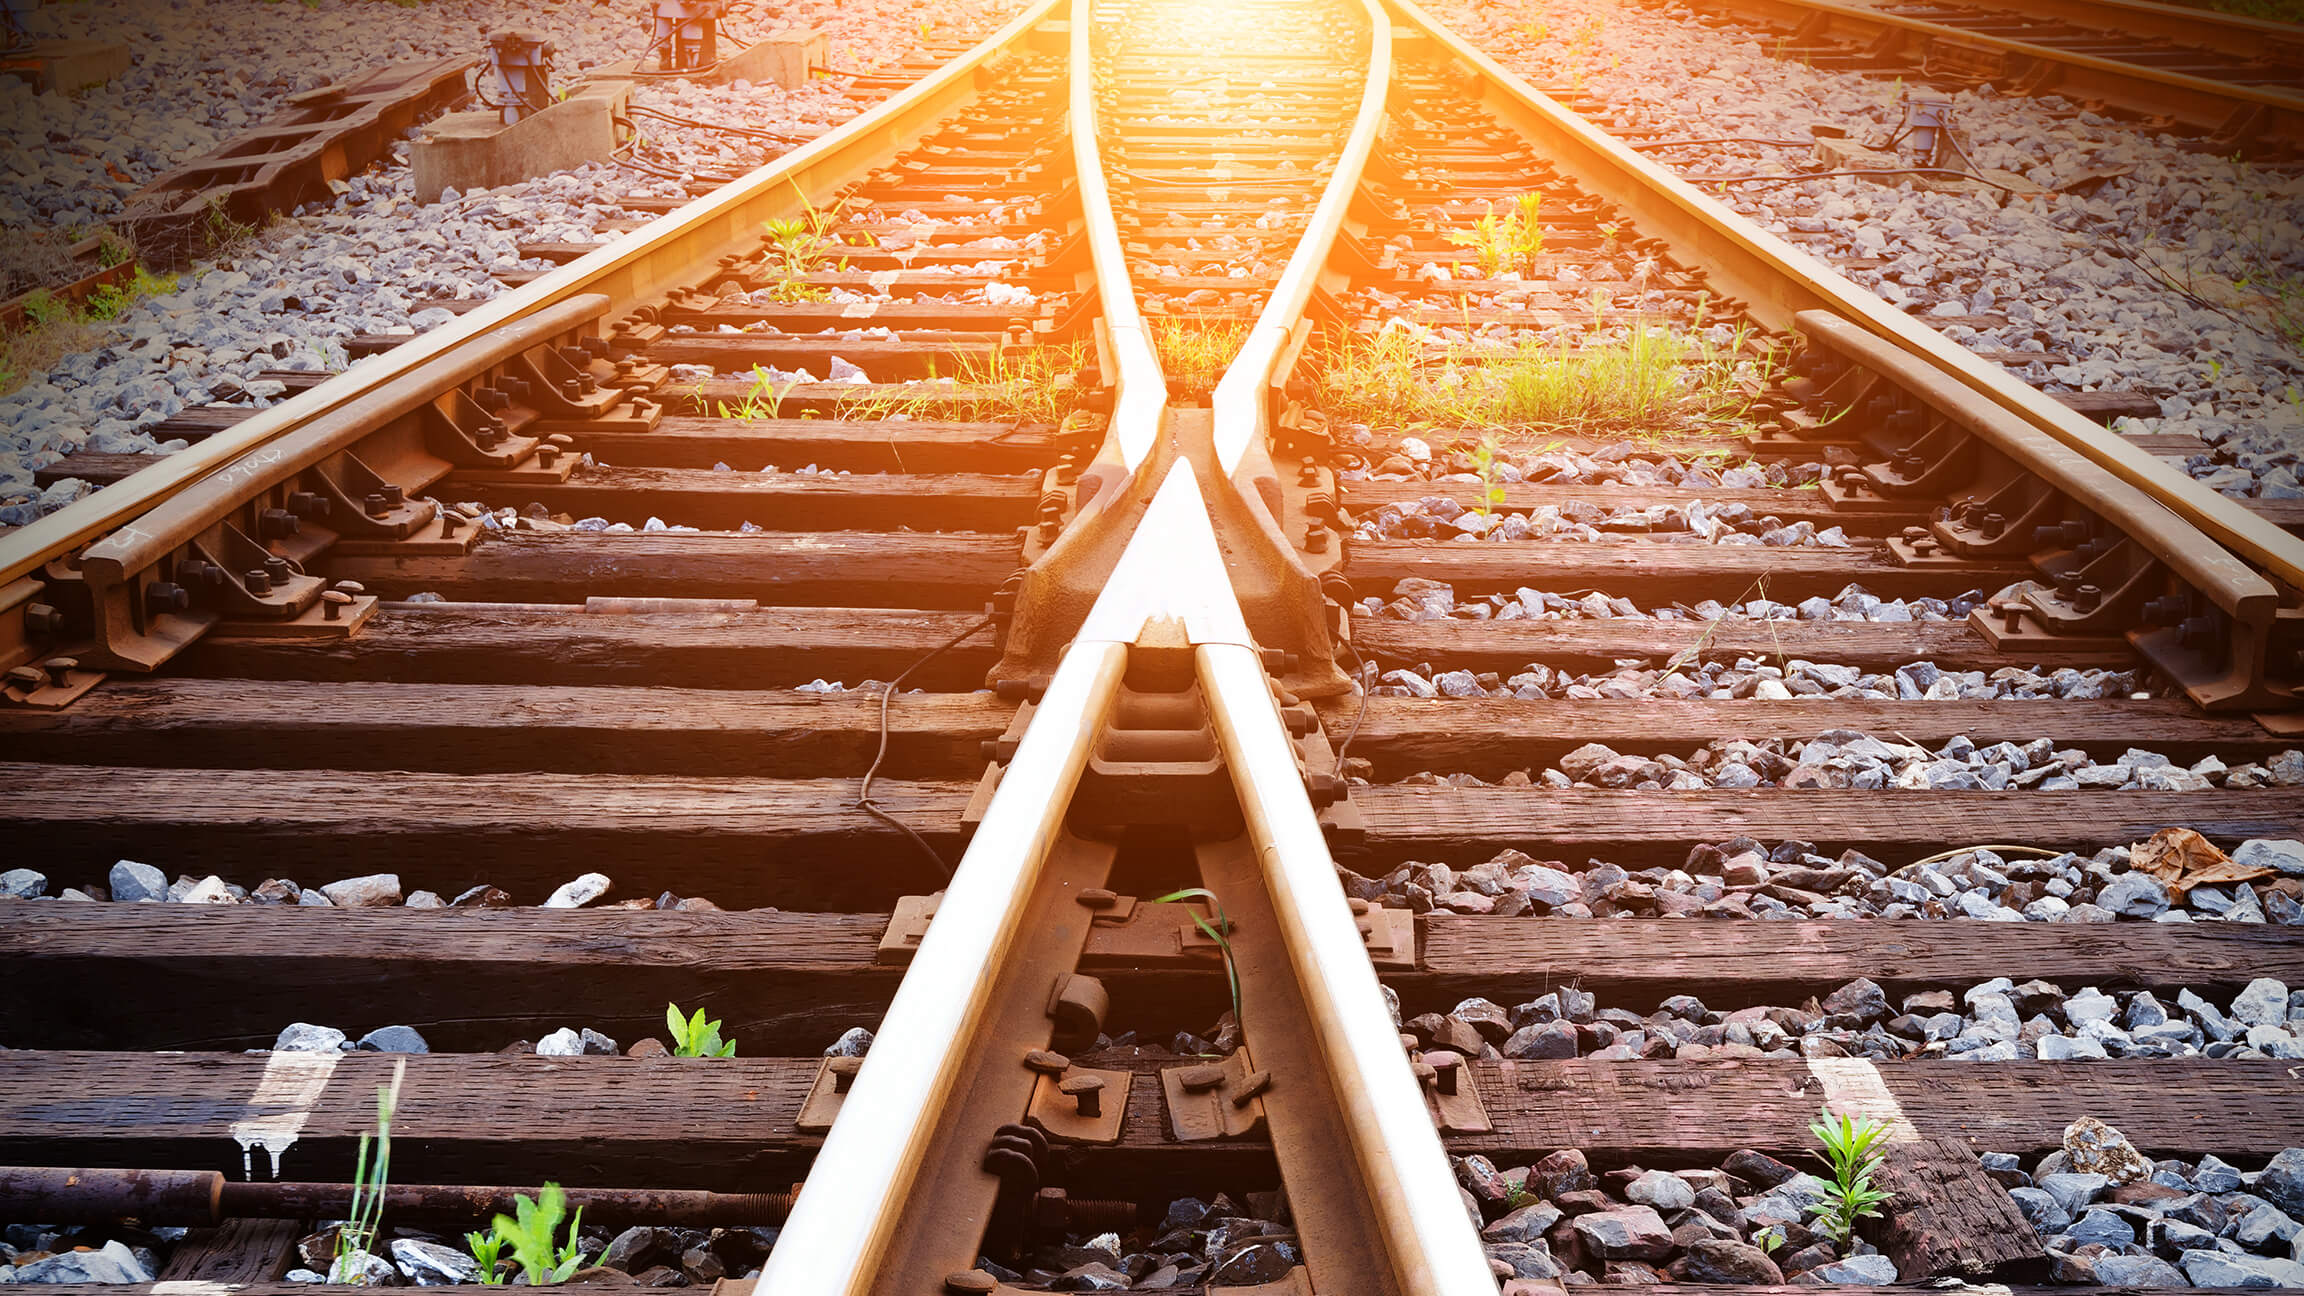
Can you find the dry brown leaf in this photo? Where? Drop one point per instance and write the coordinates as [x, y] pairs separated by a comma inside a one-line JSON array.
[[2183, 859]]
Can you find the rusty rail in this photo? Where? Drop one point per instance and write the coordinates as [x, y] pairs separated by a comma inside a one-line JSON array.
[[2179, 519], [675, 251], [2235, 117]]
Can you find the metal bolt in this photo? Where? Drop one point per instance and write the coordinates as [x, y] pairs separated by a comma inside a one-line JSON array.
[[258, 582], [59, 667], [277, 524], [1915, 533], [1250, 1088], [2087, 598], [1047, 1062], [350, 587], [1097, 898], [1087, 1091], [278, 569], [450, 520], [1924, 547], [1315, 538], [571, 389], [373, 504], [970, 1282], [43, 620], [1446, 1066], [161, 597], [1993, 525], [547, 455], [28, 678], [1200, 1079], [2011, 613], [332, 605]]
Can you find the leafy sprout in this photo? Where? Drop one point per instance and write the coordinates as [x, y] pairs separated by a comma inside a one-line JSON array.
[[1219, 932], [696, 1037], [532, 1233], [1852, 1145]]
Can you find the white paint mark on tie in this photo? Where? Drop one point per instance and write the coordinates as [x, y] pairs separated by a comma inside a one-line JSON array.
[[284, 1098], [1853, 1087]]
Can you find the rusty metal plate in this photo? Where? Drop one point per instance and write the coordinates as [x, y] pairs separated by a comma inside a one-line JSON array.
[[313, 622], [2030, 636], [826, 1094], [435, 539], [1065, 1115], [1390, 935], [907, 926], [1450, 1096], [1215, 1100]]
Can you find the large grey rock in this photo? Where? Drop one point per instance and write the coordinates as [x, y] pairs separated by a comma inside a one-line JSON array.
[[2101, 1225], [853, 1042], [2221, 1269], [1722, 1261], [563, 1042], [1664, 1191], [1527, 1224], [1866, 1270], [374, 891], [111, 1263], [429, 1264], [2263, 1003], [2134, 895], [1790, 1200], [579, 892], [304, 1037], [2138, 1271], [2281, 1182], [1542, 1040], [1629, 1233], [2041, 1209], [393, 1039], [2282, 855], [2072, 1191], [134, 883], [23, 884]]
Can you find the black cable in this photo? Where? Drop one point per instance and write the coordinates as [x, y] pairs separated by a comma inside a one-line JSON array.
[[864, 800]]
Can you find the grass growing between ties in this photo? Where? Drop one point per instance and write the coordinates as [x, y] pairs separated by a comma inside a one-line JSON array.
[[1195, 350], [1219, 931], [1654, 380], [356, 1236], [1027, 385]]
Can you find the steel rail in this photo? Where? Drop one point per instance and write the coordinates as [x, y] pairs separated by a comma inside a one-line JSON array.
[[1242, 415], [674, 251], [1403, 1167], [1140, 388], [2199, 102], [858, 1190], [2226, 33], [1777, 281]]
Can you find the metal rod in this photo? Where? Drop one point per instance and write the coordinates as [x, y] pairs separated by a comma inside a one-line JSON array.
[[43, 1195]]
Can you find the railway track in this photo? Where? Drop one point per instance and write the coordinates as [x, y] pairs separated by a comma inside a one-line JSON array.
[[2228, 80], [1213, 390]]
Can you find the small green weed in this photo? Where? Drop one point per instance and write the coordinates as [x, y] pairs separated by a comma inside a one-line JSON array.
[[1491, 473], [761, 402], [534, 1240], [694, 1036], [1220, 932], [1852, 1144], [357, 1234], [113, 300], [1510, 240]]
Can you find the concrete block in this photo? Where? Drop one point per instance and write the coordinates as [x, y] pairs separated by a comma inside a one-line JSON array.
[[476, 150], [69, 65], [782, 58]]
